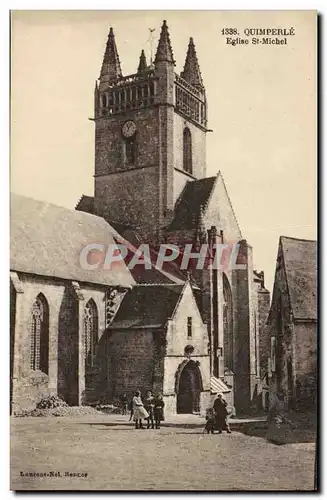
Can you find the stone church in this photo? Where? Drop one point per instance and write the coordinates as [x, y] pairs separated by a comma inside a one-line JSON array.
[[83, 333]]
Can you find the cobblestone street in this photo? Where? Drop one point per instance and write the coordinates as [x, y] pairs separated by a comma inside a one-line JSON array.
[[176, 457]]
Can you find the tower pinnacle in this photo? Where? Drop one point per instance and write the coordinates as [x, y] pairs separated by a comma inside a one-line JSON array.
[[191, 72], [142, 64], [164, 50], [111, 69]]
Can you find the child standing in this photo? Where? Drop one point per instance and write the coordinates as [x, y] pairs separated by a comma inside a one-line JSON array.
[[149, 407], [210, 421], [139, 411], [159, 410]]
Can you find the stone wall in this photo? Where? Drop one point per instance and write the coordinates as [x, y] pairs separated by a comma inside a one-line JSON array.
[[65, 375], [177, 333], [264, 335], [109, 142], [178, 339], [131, 361], [306, 364], [295, 369], [246, 360], [130, 197], [29, 386], [280, 327]]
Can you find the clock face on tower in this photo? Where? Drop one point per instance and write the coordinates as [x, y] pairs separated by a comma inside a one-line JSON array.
[[129, 129]]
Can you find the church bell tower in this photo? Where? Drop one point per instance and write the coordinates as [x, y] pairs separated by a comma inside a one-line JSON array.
[[150, 130]]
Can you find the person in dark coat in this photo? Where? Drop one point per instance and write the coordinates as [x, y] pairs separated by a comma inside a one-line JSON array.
[[149, 407], [221, 413], [159, 405], [131, 409]]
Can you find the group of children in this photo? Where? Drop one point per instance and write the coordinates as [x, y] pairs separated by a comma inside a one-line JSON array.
[[151, 409]]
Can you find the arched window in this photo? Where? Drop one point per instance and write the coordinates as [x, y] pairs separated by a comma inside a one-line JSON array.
[[130, 151], [39, 335], [104, 100], [90, 331], [187, 150]]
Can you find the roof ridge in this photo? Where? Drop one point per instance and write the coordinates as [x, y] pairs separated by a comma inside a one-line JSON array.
[[205, 205], [79, 201], [41, 201], [51, 204], [81, 198], [297, 239], [286, 280], [180, 297], [159, 284], [222, 178]]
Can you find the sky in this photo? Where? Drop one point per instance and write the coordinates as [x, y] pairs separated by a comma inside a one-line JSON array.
[[261, 107]]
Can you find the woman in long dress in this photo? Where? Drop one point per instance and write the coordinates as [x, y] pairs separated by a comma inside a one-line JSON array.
[[221, 413], [139, 411]]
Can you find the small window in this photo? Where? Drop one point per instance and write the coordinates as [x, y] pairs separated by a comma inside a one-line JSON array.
[[104, 100], [189, 327], [187, 151], [130, 151]]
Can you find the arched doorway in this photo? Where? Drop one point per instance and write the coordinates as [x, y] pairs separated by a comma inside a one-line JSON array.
[[228, 325], [188, 387]]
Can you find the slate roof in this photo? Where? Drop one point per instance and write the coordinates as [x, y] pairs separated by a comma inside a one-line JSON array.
[[194, 196], [168, 273], [86, 204], [300, 261], [47, 240], [127, 234], [147, 306]]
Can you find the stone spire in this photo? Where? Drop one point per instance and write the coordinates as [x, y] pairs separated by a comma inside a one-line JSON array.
[[142, 64], [164, 50], [111, 69], [191, 72]]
